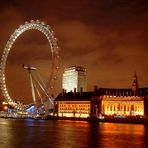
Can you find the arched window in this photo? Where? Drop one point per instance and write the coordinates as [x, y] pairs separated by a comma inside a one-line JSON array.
[[110, 107], [124, 108]]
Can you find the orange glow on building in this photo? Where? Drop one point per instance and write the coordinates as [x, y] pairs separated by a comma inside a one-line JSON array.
[[104, 103], [127, 106], [79, 109]]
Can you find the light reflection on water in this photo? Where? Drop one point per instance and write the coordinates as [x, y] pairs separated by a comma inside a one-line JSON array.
[[70, 134]]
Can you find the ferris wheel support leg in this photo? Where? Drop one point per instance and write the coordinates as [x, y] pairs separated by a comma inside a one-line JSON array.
[[32, 88], [44, 90]]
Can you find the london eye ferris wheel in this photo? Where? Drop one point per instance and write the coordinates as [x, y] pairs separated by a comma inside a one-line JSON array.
[[54, 50]]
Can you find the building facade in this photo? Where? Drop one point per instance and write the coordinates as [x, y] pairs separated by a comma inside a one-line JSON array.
[[73, 104], [74, 78], [119, 102], [102, 102], [107, 102]]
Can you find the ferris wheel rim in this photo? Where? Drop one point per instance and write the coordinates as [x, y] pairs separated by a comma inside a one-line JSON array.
[[32, 25]]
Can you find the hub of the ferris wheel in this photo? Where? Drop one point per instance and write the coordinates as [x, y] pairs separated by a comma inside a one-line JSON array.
[[42, 100]]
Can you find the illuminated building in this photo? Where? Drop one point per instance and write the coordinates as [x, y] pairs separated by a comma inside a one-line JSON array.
[[74, 78], [4, 106], [108, 102], [122, 102], [75, 104]]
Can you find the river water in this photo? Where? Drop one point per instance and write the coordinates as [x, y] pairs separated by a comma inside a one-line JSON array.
[[16, 133]]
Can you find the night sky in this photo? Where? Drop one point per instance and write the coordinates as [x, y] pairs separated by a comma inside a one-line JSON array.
[[108, 37]]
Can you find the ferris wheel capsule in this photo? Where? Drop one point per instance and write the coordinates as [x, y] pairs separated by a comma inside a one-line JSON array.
[[43, 23], [32, 21], [37, 21]]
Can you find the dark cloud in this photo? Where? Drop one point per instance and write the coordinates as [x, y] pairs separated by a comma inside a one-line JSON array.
[[108, 37]]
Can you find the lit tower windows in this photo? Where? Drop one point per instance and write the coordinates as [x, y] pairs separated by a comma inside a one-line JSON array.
[[74, 78]]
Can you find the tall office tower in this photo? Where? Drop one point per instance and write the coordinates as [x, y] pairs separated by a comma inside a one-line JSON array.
[[74, 78]]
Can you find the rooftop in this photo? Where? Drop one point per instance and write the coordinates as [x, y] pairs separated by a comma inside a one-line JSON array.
[[76, 68], [86, 96]]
